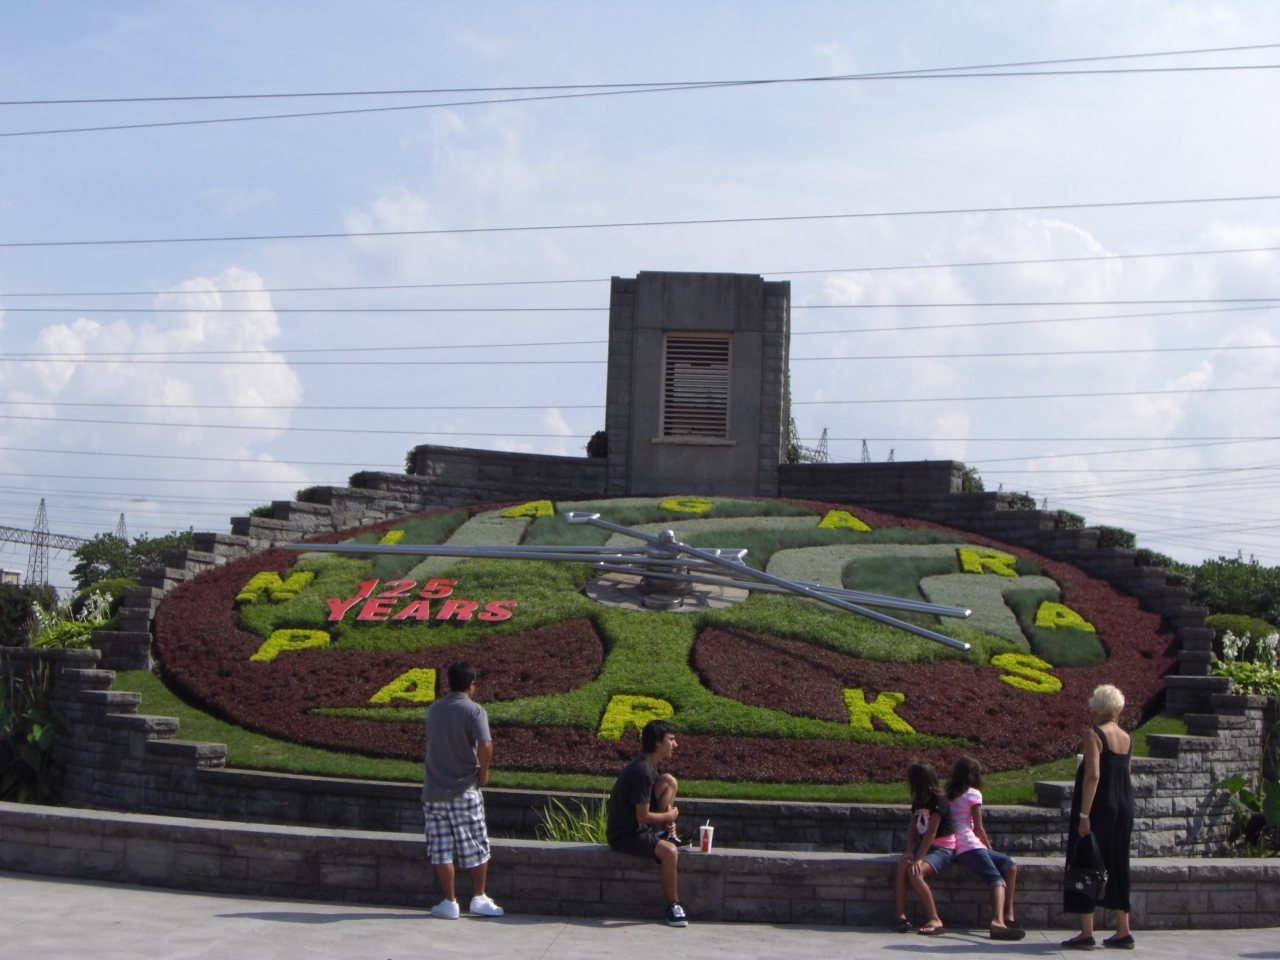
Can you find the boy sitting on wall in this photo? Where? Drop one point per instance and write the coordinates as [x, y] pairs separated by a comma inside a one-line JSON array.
[[643, 799]]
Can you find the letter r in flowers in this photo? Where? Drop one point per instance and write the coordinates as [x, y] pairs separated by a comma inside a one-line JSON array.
[[459, 609], [984, 560], [416, 686], [284, 641], [861, 712], [627, 711]]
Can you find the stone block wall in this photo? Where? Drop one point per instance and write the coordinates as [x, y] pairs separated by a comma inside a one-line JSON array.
[[584, 880]]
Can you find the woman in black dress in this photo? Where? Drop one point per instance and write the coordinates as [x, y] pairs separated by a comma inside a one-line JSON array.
[[1102, 804]]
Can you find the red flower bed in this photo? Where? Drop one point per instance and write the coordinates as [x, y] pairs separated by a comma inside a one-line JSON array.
[[1008, 727], [203, 651], [207, 656]]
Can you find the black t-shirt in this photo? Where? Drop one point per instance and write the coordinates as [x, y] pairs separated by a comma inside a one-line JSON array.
[[923, 811], [633, 786]]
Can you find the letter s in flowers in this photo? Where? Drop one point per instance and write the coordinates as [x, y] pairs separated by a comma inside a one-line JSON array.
[[1028, 672], [687, 505]]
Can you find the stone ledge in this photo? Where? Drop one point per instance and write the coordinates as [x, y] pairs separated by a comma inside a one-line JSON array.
[[568, 879]]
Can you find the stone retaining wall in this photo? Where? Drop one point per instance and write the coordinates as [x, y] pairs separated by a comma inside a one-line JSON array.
[[117, 759], [582, 880]]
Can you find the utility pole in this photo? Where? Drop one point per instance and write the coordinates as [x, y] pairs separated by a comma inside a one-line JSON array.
[[866, 454]]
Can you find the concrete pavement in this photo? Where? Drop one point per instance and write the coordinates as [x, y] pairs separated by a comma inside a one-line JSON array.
[[50, 919]]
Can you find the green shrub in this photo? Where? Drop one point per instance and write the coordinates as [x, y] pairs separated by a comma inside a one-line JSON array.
[[262, 510], [1022, 501], [15, 611], [359, 480], [309, 494], [112, 589], [29, 722], [1116, 537], [107, 557], [411, 461], [1149, 558], [971, 482], [1066, 520], [1240, 625], [598, 446], [1232, 585]]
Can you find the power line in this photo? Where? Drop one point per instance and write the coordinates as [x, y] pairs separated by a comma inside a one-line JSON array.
[[291, 429], [767, 273], [1038, 396], [1047, 354], [394, 467], [711, 221], [671, 88], [620, 86], [232, 406]]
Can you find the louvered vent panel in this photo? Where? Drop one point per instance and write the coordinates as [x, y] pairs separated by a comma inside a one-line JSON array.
[[695, 389]]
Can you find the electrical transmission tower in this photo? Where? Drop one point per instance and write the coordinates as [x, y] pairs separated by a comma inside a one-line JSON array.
[[38, 556], [122, 532], [866, 454]]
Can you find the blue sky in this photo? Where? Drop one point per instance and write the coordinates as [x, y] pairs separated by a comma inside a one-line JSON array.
[[749, 151]]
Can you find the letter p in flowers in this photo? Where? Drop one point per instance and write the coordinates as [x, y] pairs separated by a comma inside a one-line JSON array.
[[282, 641], [628, 711], [861, 712]]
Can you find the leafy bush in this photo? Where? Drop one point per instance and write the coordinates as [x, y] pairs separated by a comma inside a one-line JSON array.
[[262, 510], [1116, 537], [1256, 827], [1149, 558], [107, 557], [411, 461], [62, 627], [1248, 628], [359, 480], [113, 590], [587, 824], [1022, 501], [1250, 663], [16, 603], [598, 445], [28, 724], [971, 482], [1232, 585], [309, 494], [1066, 520]]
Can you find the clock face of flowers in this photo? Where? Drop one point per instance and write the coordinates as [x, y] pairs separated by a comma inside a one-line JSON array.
[[348, 652]]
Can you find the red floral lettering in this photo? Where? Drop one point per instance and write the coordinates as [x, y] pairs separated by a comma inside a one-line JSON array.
[[497, 610], [399, 589], [419, 610], [435, 588], [462, 609], [338, 608], [372, 609]]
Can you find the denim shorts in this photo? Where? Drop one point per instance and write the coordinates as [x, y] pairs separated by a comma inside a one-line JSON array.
[[989, 865], [937, 857]]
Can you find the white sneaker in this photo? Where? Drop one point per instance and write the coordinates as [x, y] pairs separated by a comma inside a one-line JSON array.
[[484, 907], [445, 910]]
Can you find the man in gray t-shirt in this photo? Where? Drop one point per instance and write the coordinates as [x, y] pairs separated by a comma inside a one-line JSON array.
[[459, 749]]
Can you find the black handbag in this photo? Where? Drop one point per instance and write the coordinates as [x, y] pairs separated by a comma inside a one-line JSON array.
[[1087, 881]]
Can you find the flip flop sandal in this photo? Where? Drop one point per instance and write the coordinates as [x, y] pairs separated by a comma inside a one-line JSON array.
[[932, 930], [1007, 933], [903, 925]]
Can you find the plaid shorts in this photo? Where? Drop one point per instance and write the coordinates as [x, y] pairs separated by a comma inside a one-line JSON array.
[[456, 828]]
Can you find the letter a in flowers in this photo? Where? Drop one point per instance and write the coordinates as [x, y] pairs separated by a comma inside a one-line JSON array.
[[628, 711], [416, 686], [1055, 615], [842, 520], [861, 712]]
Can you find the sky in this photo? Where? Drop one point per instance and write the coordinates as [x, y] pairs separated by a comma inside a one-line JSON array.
[[181, 383]]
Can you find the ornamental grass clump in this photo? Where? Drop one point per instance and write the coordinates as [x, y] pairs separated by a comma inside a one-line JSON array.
[[587, 824]]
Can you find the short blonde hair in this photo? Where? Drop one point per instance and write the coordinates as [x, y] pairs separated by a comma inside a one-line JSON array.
[[1107, 701]]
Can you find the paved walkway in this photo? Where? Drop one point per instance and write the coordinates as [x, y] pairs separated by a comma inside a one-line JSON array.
[[48, 919]]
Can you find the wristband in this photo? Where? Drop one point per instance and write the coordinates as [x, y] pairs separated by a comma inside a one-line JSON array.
[[1084, 816]]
